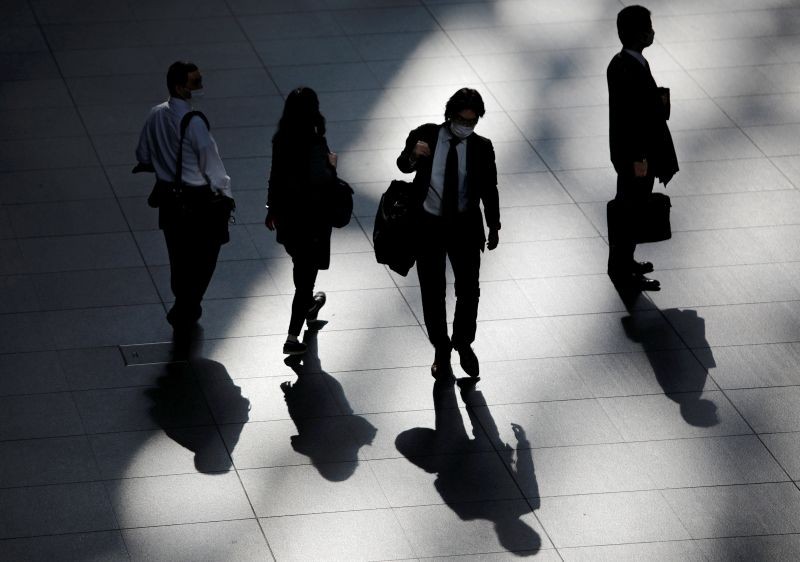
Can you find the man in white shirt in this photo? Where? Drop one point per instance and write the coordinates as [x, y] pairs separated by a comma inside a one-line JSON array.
[[188, 197]]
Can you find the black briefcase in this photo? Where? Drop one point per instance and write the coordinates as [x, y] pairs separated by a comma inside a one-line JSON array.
[[647, 222]]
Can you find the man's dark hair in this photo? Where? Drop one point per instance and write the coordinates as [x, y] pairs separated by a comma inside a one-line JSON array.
[[178, 74], [631, 21], [465, 98]]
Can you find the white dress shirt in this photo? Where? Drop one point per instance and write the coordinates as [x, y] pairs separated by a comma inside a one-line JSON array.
[[433, 200], [158, 146]]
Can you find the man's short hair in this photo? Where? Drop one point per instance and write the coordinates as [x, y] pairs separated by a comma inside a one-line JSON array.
[[465, 98], [631, 21], [178, 74]]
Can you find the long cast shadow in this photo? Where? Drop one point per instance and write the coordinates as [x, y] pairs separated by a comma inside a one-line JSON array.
[[180, 408], [329, 439], [681, 383], [442, 451]]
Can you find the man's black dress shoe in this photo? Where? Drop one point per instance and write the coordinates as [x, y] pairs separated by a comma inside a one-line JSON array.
[[441, 368], [642, 267], [646, 284], [469, 361]]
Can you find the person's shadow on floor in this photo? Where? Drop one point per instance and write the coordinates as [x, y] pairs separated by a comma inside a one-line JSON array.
[[328, 433], [441, 451], [681, 382], [181, 410]]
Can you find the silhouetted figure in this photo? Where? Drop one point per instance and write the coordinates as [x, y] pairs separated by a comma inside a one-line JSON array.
[[191, 186], [455, 171], [445, 451], [679, 384], [181, 410], [641, 144], [332, 445], [302, 168]]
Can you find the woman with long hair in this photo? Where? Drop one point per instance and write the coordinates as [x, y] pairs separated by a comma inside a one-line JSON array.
[[302, 168]]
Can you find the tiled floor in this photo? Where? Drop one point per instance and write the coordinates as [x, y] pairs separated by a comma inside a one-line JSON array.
[[668, 430]]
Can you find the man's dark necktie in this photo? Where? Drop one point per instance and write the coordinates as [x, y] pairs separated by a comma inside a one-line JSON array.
[[450, 192]]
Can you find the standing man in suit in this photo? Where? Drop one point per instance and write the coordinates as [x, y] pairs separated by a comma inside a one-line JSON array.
[[455, 171], [641, 145], [177, 145]]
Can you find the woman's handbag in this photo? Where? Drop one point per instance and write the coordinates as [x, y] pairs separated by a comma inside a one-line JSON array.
[[339, 203]]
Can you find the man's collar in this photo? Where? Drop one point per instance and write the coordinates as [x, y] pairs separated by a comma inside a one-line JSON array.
[[179, 103], [637, 55]]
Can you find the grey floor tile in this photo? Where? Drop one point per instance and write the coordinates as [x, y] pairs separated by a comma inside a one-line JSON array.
[[739, 549], [70, 253], [556, 222], [33, 462], [39, 415], [639, 373], [786, 449], [173, 450], [714, 144], [554, 258], [99, 288], [250, 316], [175, 402], [550, 424], [52, 510], [472, 528], [750, 366], [104, 367], [600, 519], [28, 66], [39, 186], [532, 380], [239, 540], [336, 77], [331, 444], [231, 280], [675, 416], [245, 357], [776, 140], [401, 44], [386, 20], [305, 489], [52, 93], [578, 294], [42, 122], [613, 332], [189, 498], [19, 294], [573, 153], [387, 390], [96, 327], [790, 166], [354, 535], [714, 461], [736, 511], [768, 409], [280, 25], [46, 154], [656, 551], [438, 71], [724, 285], [98, 545], [736, 324], [264, 399], [587, 469], [747, 80], [29, 373], [723, 53], [536, 188], [444, 479], [306, 50], [749, 111], [528, 338]]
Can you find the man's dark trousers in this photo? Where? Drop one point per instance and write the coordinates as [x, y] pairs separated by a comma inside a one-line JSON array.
[[633, 193], [441, 239], [192, 259]]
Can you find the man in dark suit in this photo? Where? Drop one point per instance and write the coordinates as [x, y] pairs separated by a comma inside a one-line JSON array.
[[455, 171], [641, 145]]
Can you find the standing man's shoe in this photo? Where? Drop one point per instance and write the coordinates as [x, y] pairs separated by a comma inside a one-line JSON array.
[[642, 267], [294, 348], [643, 283], [469, 361]]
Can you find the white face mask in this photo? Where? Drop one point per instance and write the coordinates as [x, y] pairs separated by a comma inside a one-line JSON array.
[[461, 131], [197, 94]]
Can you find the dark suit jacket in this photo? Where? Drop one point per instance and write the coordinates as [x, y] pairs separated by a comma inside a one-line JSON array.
[[638, 120], [480, 182]]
